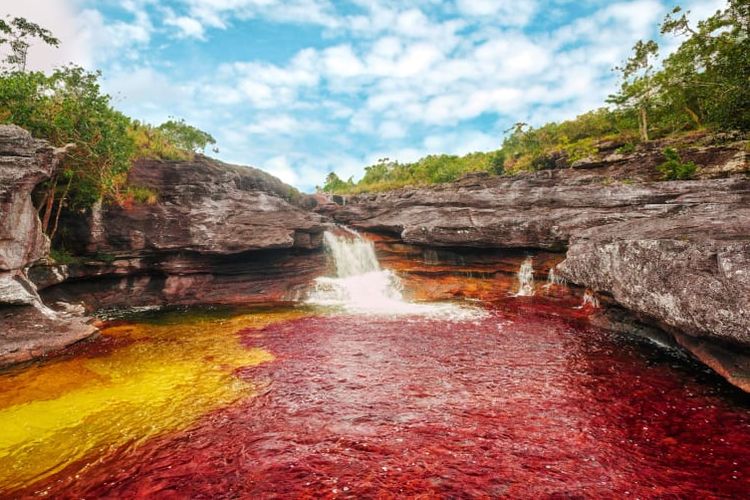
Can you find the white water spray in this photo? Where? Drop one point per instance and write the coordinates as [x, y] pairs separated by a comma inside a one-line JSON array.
[[589, 299], [554, 279], [362, 286], [526, 279]]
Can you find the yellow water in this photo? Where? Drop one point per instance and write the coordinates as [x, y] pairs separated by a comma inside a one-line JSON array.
[[163, 377]]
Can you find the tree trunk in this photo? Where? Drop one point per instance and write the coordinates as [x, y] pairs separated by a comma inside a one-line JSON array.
[[60, 207], [694, 116], [643, 124], [49, 204]]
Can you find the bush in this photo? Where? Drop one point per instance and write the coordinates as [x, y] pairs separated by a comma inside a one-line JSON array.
[[674, 168], [150, 142], [580, 150], [62, 256], [186, 137]]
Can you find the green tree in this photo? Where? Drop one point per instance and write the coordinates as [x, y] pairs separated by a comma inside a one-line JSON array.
[[186, 136], [708, 76], [334, 184], [68, 107], [639, 87], [18, 33]]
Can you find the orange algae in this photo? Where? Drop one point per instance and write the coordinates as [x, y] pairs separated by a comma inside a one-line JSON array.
[[168, 375]]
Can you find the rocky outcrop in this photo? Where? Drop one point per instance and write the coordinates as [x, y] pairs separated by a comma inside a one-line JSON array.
[[691, 271], [688, 273], [203, 206], [212, 234], [675, 254], [546, 208], [215, 234], [29, 328]]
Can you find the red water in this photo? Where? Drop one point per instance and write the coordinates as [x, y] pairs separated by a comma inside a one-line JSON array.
[[530, 405]]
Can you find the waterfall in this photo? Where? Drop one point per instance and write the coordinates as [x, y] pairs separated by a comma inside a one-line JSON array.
[[589, 299], [554, 279], [352, 254], [361, 286], [430, 257], [526, 279]]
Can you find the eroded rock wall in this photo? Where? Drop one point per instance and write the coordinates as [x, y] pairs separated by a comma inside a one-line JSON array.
[[29, 328], [216, 234]]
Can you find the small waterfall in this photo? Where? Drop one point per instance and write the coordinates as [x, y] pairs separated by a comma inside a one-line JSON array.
[[554, 279], [362, 286], [430, 257], [526, 279], [590, 300], [352, 254]]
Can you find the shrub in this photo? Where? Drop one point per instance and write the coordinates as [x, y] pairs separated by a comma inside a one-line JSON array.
[[107, 258], [626, 148], [580, 150], [674, 168], [63, 256], [150, 142]]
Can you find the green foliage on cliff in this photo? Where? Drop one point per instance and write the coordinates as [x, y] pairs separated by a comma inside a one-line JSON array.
[[674, 168], [152, 143], [387, 174], [185, 136], [704, 84], [68, 107]]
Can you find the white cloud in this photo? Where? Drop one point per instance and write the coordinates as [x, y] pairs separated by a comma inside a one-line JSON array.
[[61, 18], [86, 37], [219, 13], [280, 167], [499, 12], [187, 26], [386, 78], [392, 129]]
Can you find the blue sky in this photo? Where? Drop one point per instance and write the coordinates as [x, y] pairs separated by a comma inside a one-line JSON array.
[[303, 87]]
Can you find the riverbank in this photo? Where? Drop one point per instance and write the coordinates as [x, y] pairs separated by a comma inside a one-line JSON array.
[[667, 259]]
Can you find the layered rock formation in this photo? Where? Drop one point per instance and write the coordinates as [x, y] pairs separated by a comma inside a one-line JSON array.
[[216, 234], [688, 273], [675, 254], [29, 328]]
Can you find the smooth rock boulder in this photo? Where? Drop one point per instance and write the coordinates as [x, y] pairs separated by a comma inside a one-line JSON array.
[[204, 206]]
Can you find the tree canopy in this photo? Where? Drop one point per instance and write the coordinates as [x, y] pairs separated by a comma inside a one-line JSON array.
[[68, 106]]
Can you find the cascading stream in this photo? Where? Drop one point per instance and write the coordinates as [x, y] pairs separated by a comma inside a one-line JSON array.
[[361, 286], [526, 279]]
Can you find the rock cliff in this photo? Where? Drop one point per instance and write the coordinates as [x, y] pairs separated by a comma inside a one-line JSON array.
[[675, 254], [212, 234], [29, 328], [215, 234]]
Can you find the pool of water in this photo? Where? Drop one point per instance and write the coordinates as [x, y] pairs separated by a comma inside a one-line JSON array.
[[524, 400]]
